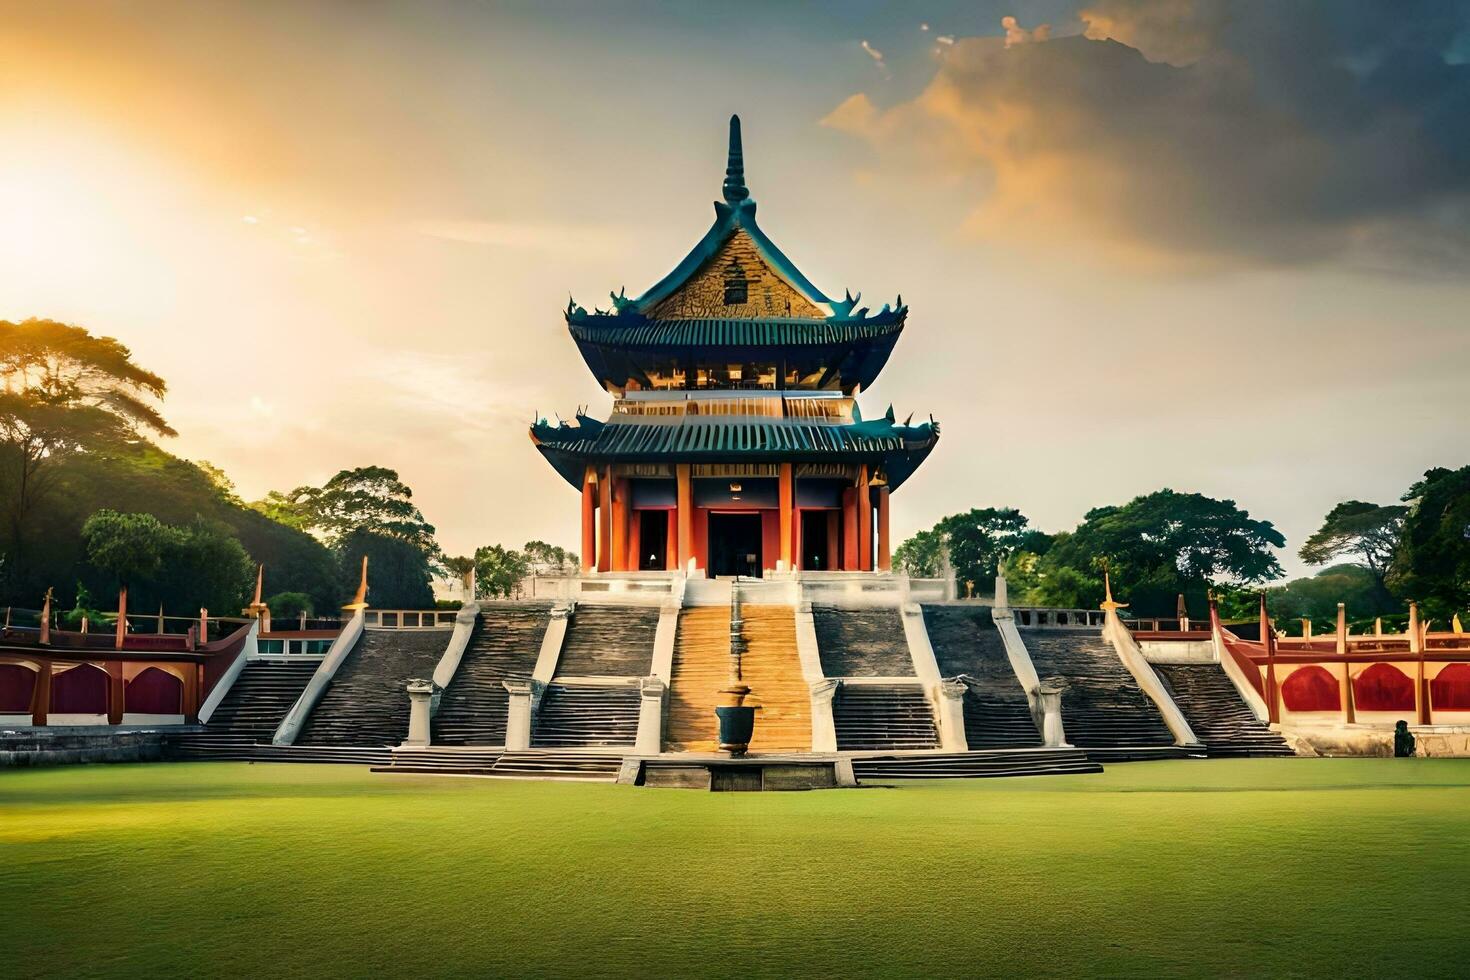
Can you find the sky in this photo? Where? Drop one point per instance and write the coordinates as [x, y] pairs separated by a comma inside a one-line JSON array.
[[1216, 247]]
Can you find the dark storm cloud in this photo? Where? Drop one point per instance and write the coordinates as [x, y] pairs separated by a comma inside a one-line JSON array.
[[1187, 132]]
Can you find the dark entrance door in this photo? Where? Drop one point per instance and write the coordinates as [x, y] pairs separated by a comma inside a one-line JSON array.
[[814, 540], [653, 540], [735, 544]]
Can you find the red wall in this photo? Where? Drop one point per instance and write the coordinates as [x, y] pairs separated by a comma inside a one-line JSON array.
[[17, 685], [1383, 687], [155, 692], [1311, 688], [1450, 689], [82, 690]]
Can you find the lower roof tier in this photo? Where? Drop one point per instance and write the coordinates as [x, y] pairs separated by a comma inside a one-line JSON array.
[[896, 449]]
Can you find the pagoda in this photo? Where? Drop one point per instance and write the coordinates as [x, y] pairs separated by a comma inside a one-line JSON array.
[[735, 445]]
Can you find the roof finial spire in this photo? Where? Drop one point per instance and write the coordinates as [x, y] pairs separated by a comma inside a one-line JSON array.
[[735, 189]]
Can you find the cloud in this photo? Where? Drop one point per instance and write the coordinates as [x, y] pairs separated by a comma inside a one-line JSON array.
[[1192, 134], [876, 55], [1016, 34]]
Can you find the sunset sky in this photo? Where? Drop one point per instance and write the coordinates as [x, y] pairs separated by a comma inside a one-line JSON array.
[[1174, 243]]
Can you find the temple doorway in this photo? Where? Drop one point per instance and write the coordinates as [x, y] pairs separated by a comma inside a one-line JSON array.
[[653, 540], [735, 544], [815, 541]]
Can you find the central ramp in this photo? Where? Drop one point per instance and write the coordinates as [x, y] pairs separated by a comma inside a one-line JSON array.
[[966, 642], [701, 668], [770, 667], [367, 703], [1103, 708]]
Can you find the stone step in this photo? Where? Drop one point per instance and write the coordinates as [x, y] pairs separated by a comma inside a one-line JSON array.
[[504, 646], [366, 703]]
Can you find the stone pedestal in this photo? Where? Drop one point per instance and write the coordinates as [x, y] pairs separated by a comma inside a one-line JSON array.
[[650, 716], [1050, 699], [824, 729], [952, 716], [518, 716], [420, 697]]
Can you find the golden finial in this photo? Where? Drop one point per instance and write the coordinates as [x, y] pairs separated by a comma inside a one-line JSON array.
[[359, 601], [1108, 604]]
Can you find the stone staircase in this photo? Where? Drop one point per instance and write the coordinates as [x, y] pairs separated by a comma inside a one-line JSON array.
[[441, 761], [773, 670], [973, 765], [227, 748], [1214, 709], [256, 703], [582, 714], [1103, 709], [587, 767], [701, 668], [883, 717], [504, 646], [609, 641], [367, 704], [966, 643], [861, 642]]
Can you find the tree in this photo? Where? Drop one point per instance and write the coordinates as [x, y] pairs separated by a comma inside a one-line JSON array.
[[549, 559], [1432, 563], [399, 574], [368, 499], [922, 555], [1157, 547], [63, 392], [289, 605], [499, 572], [278, 507], [1368, 531], [128, 547]]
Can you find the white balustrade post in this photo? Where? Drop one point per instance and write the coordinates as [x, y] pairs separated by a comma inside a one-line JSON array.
[[420, 696]]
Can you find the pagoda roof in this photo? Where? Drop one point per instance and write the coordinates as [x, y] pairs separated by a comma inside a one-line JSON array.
[[900, 448], [842, 318]]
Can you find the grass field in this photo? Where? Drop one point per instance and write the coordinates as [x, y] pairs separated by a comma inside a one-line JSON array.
[[1343, 867]]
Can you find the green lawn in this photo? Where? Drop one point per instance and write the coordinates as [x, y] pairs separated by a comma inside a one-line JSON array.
[[1346, 867]]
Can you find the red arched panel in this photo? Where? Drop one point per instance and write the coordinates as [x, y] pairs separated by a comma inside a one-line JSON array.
[[1450, 689], [17, 684], [1311, 688], [82, 690], [155, 692], [1383, 687]]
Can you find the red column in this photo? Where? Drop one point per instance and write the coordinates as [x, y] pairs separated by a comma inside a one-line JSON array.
[[604, 521], [885, 562], [620, 525], [849, 530], [786, 486], [671, 561], [635, 540], [865, 521], [589, 520], [115, 694], [834, 551], [686, 514]]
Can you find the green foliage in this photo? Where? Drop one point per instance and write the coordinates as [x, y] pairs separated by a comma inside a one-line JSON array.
[[549, 559], [128, 547], [369, 499], [180, 567], [1367, 531], [290, 605], [62, 392], [1316, 598], [921, 556], [399, 573], [1157, 547], [976, 542], [1432, 563], [499, 572], [141, 478]]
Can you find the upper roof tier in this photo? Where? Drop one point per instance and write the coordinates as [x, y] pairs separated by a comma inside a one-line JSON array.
[[735, 298]]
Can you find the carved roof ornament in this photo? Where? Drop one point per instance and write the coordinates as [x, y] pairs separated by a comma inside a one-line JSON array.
[[735, 189]]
